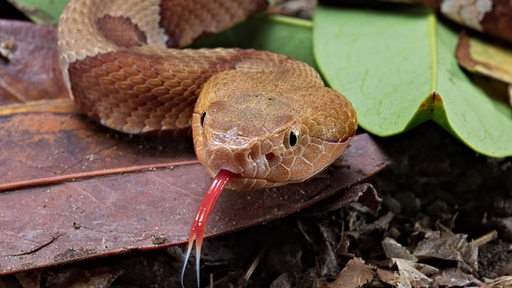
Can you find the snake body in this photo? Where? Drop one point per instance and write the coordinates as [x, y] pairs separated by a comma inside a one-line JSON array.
[[265, 117], [260, 115], [121, 65]]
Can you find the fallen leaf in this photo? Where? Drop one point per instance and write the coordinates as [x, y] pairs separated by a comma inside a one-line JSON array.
[[355, 274], [32, 72], [60, 147], [455, 278], [503, 281], [393, 249], [146, 209], [387, 276], [409, 275], [382, 223], [447, 246], [493, 59]]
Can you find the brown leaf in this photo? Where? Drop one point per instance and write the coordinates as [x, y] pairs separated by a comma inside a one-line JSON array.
[[387, 276], [449, 246], [409, 275], [73, 190], [393, 249], [29, 69], [59, 223], [355, 274], [456, 278], [493, 59], [64, 146], [502, 281]]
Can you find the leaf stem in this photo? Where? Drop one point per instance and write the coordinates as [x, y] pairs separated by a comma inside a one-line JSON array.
[[293, 21], [432, 23]]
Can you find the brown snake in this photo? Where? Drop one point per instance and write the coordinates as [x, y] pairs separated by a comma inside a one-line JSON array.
[[266, 118], [248, 104], [258, 119]]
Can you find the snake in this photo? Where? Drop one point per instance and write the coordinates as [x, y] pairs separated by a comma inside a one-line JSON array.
[[258, 119]]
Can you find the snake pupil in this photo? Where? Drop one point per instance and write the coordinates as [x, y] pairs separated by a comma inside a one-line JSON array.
[[202, 118], [293, 139]]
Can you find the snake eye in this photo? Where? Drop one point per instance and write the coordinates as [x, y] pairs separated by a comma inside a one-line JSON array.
[[292, 139], [202, 118]]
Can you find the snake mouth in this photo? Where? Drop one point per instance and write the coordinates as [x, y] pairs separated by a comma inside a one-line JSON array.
[[247, 183]]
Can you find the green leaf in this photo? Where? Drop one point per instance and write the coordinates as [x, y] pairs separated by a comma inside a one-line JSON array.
[[279, 34], [41, 11], [397, 67]]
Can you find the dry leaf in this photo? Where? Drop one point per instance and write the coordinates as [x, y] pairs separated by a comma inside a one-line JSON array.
[[393, 249], [409, 275], [388, 277], [31, 71], [455, 278], [355, 274], [501, 282], [489, 58], [452, 247]]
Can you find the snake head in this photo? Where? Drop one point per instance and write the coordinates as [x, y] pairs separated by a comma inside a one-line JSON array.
[[272, 135]]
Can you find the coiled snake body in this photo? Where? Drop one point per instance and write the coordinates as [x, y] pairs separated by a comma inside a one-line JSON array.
[[266, 118], [259, 118], [263, 116]]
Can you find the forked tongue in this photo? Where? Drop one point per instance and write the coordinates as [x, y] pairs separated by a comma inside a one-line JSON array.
[[199, 224]]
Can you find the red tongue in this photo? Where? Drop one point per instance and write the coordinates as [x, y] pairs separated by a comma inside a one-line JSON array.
[[199, 224]]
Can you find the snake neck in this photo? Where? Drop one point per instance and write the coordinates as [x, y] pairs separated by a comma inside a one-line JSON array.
[[116, 68]]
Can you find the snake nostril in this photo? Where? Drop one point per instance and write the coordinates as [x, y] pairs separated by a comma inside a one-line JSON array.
[[270, 156]]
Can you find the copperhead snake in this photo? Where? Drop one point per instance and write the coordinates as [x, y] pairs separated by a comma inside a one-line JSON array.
[[258, 119]]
